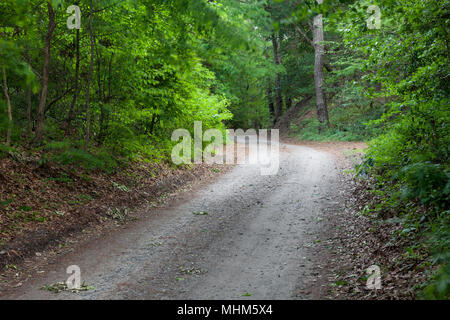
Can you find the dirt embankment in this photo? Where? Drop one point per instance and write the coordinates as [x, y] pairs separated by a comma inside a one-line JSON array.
[[42, 206], [284, 122]]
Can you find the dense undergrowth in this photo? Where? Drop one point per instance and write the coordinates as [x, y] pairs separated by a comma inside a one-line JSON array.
[[410, 186], [347, 124], [391, 89]]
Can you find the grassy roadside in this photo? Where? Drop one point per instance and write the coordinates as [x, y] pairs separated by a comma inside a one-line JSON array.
[[347, 123]]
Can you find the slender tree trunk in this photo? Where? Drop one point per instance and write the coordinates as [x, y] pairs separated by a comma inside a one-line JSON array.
[[77, 72], [104, 114], [278, 97], [288, 101], [322, 111], [109, 77], [91, 71], [29, 111], [152, 123], [5, 90], [325, 63], [270, 100], [29, 125], [107, 99], [41, 108], [101, 95]]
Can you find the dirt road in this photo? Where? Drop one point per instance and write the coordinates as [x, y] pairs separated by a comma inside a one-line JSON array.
[[252, 236]]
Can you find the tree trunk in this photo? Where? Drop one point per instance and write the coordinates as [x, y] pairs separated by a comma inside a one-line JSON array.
[[270, 99], [278, 98], [101, 96], [29, 111], [152, 124], [288, 101], [29, 124], [109, 77], [41, 108], [325, 63], [322, 111], [5, 90], [77, 72], [104, 121], [91, 70]]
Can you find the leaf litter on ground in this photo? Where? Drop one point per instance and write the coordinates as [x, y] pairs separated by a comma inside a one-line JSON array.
[[62, 286], [200, 213]]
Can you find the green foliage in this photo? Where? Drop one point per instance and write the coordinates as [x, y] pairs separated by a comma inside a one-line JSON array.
[[348, 123], [309, 130], [405, 66], [58, 145], [427, 181], [439, 240], [158, 66], [100, 161], [26, 216], [5, 150]]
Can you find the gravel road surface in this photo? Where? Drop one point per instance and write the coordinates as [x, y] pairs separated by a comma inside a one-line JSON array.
[[245, 236]]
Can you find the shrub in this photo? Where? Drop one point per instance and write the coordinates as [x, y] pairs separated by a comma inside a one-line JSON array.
[[101, 161]]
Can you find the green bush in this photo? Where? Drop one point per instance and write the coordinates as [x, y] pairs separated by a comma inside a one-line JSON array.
[[427, 181], [438, 286], [347, 124], [57, 146], [103, 160], [5, 150]]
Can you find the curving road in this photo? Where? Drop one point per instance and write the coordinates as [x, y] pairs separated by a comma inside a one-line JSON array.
[[255, 242]]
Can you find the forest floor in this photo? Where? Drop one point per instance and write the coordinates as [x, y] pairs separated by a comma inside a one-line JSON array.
[[222, 232]]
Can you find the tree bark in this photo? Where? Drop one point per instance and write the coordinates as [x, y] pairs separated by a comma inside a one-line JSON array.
[[91, 71], [75, 95], [270, 99], [104, 121], [278, 97], [41, 108], [8, 101], [288, 101], [322, 111], [29, 111], [29, 93], [305, 36]]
